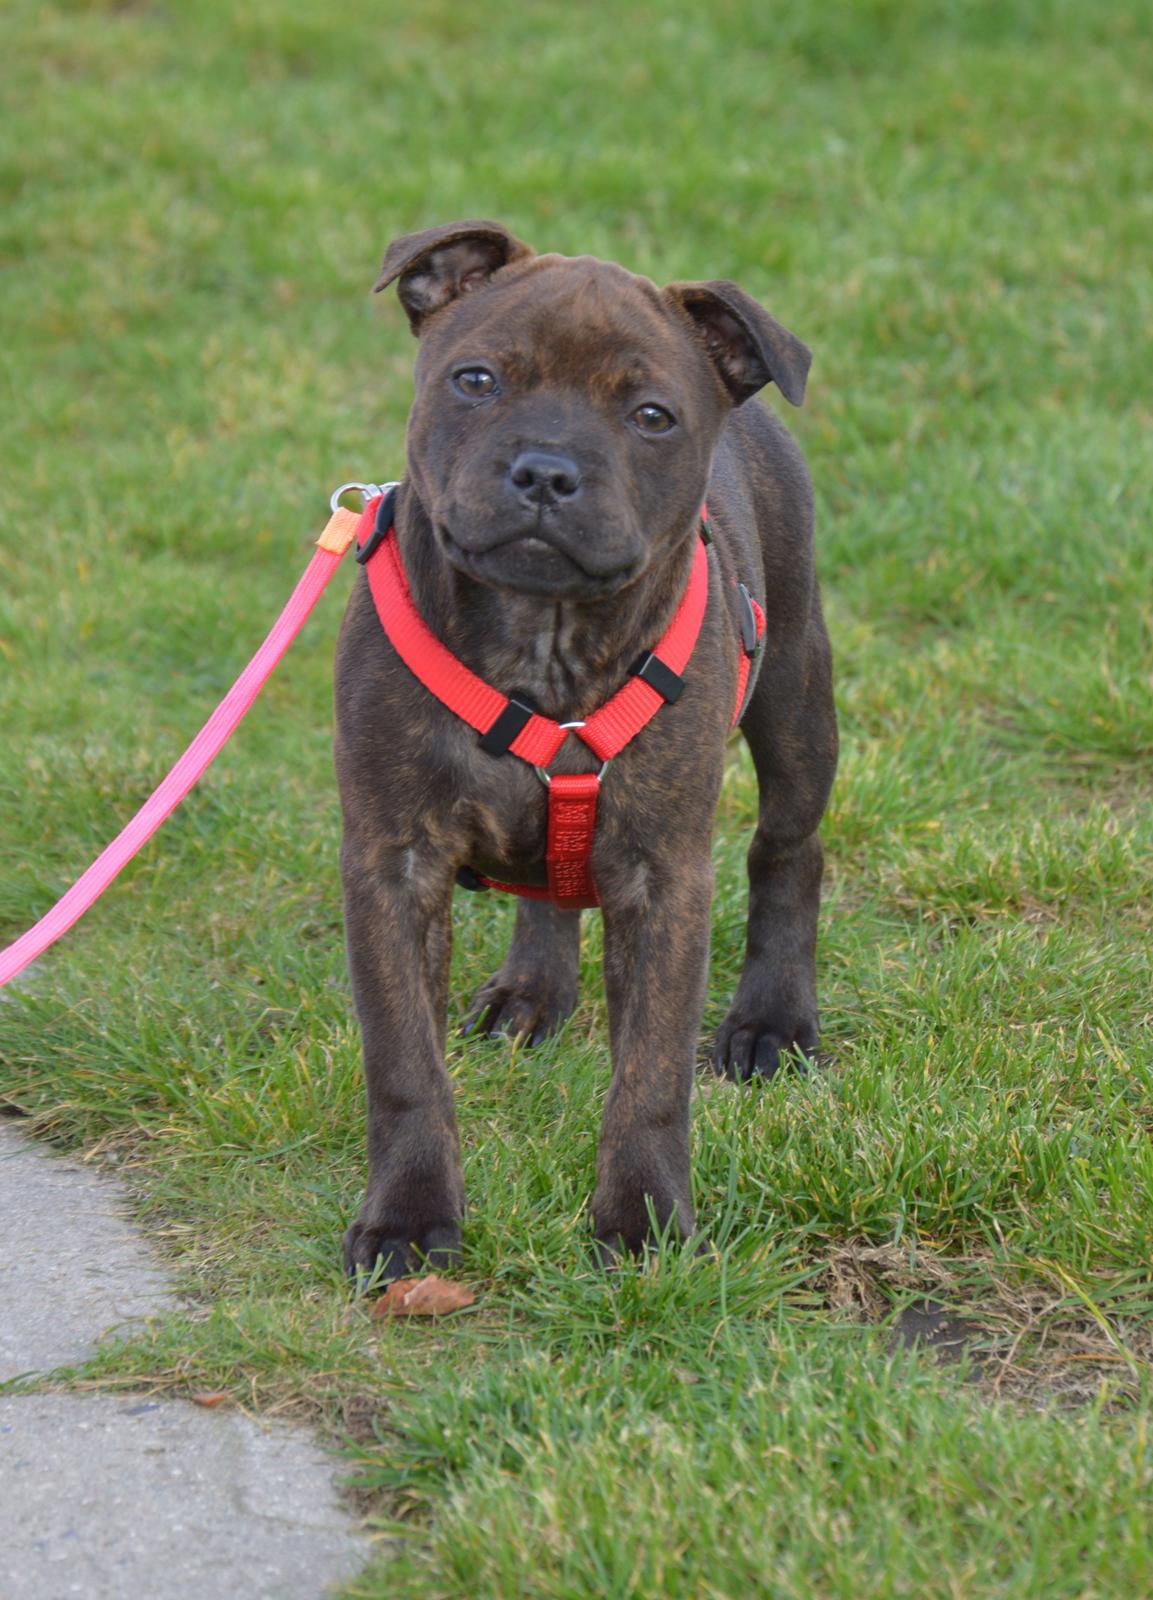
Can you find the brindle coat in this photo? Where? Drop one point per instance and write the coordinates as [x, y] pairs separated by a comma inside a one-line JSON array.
[[547, 528]]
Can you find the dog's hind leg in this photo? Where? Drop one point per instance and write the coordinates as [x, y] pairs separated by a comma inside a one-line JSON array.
[[790, 726], [535, 988]]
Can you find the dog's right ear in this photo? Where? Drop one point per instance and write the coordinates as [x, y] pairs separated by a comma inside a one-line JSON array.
[[440, 264]]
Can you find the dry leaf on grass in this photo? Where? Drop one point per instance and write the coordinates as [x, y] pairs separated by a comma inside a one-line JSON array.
[[423, 1297], [214, 1397]]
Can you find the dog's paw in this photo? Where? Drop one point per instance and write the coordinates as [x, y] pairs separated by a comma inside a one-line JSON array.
[[608, 1251], [378, 1257], [634, 1212], [527, 1007], [748, 1048]]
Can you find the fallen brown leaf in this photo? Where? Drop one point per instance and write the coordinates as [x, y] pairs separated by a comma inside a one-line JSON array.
[[423, 1297]]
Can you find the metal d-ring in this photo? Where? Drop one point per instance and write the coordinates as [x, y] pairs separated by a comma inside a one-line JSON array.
[[368, 491], [568, 726]]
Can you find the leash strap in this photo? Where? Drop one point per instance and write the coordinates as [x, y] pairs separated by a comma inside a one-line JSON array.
[[341, 530]]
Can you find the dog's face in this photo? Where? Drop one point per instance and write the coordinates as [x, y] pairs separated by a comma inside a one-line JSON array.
[[566, 410]]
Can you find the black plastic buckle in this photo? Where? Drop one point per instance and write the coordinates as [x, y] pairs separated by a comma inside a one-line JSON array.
[[653, 671], [380, 528], [468, 879], [497, 739], [748, 620]]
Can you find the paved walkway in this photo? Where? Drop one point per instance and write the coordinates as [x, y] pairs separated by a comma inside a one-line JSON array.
[[120, 1497]]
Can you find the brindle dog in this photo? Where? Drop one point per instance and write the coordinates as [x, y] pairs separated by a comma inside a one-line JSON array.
[[570, 418]]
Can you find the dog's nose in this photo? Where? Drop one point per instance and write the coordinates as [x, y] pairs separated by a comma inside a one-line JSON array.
[[540, 477]]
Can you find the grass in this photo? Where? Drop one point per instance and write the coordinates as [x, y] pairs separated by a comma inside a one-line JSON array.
[[951, 201]]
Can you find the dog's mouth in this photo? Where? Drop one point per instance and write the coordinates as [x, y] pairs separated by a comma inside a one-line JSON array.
[[528, 564]]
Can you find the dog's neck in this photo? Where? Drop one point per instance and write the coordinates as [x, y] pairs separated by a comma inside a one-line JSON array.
[[568, 656]]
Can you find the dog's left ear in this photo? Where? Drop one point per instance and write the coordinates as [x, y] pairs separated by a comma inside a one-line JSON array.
[[747, 346], [440, 264]]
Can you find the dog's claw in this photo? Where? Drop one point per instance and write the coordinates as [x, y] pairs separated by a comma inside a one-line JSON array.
[[752, 1051], [531, 1011], [374, 1260]]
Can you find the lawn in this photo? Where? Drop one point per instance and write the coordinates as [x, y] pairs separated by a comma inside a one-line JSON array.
[[952, 202]]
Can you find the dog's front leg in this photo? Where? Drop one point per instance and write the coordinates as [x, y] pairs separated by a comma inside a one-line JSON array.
[[398, 932], [656, 929]]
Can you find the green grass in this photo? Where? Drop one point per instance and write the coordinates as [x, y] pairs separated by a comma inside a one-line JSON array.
[[951, 201]]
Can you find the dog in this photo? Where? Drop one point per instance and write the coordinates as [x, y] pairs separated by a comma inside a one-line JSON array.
[[584, 457]]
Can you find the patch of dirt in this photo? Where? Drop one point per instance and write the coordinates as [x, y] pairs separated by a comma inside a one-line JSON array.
[[1037, 1343], [928, 1325]]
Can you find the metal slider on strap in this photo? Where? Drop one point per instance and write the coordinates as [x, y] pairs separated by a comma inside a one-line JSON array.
[[497, 739], [659, 676]]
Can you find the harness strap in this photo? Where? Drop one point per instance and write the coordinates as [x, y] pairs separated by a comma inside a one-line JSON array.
[[637, 702], [507, 724], [476, 702], [750, 639], [572, 820], [442, 673]]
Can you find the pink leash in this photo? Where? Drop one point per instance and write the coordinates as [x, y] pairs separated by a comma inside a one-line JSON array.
[[340, 532]]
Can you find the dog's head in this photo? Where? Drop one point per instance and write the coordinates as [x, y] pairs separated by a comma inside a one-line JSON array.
[[567, 410]]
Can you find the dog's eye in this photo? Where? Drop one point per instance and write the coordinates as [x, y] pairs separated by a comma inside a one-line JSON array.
[[474, 383], [653, 419]]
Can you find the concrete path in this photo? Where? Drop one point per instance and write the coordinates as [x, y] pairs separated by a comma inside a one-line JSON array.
[[71, 1263], [121, 1497]]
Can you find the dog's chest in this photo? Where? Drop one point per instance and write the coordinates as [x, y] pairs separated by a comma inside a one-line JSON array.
[[499, 811], [553, 664]]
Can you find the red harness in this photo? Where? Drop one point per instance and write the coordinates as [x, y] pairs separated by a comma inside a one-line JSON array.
[[507, 724]]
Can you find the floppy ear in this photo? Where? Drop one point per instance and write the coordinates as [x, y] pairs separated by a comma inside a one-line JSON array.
[[747, 346], [440, 264]]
